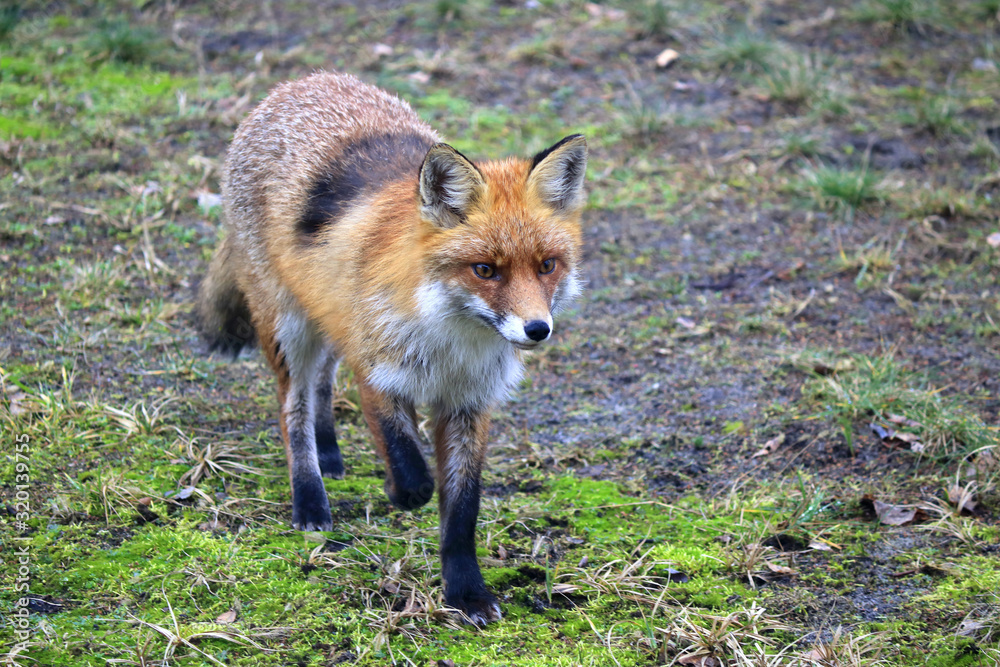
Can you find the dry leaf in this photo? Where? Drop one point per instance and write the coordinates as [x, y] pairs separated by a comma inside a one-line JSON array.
[[789, 273], [603, 12], [893, 437], [900, 420], [501, 552], [894, 515], [17, 402], [699, 659], [963, 497], [227, 618], [770, 446], [382, 50], [994, 239], [666, 58], [820, 546], [779, 569], [969, 628]]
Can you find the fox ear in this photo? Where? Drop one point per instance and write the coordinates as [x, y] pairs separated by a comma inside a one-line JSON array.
[[557, 173], [449, 185]]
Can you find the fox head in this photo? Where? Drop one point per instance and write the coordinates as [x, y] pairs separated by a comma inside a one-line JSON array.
[[503, 237]]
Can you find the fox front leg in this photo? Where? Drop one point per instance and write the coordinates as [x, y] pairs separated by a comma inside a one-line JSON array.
[[460, 446], [393, 424]]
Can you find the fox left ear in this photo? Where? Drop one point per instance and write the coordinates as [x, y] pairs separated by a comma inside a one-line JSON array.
[[557, 173]]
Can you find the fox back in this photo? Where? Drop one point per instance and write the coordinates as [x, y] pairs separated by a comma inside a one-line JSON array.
[[356, 235]]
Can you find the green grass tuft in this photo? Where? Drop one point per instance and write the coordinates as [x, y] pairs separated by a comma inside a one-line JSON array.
[[843, 190]]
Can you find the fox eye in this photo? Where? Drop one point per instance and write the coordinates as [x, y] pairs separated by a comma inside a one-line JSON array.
[[548, 266], [484, 271]]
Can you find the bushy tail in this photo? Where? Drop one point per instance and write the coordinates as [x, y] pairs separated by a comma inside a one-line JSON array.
[[222, 309]]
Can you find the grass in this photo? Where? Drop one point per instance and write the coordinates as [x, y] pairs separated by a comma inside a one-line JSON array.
[[843, 190], [880, 390], [798, 80], [742, 51], [940, 115], [918, 15]]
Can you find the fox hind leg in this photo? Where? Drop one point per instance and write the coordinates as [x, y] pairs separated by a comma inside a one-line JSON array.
[[296, 354], [331, 464]]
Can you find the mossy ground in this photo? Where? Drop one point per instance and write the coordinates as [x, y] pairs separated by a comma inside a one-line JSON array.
[[791, 236]]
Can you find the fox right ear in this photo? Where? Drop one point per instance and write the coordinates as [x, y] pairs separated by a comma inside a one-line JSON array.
[[449, 185]]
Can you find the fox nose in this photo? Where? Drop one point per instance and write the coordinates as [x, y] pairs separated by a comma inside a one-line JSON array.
[[536, 330]]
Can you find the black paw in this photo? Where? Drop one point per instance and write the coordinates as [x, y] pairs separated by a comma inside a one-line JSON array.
[[416, 493], [477, 608], [310, 505], [330, 462]]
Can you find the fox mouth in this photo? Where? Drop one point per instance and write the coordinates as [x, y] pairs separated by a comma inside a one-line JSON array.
[[525, 346]]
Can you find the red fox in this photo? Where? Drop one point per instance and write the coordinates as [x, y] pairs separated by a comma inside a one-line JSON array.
[[355, 234]]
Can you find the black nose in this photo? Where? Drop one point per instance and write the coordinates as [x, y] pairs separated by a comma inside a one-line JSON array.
[[536, 330]]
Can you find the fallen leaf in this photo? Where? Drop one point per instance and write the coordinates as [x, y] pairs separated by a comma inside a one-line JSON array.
[[994, 239], [604, 12], [208, 201], [666, 58], [789, 273], [420, 77], [900, 420], [963, 497], [227, 617], [893, 437], [894, 515], [382, 50], [968, 628], [691, 329], [820, 546], [770, 446], [779, 569], [986, 461], [501, 552], [17, 402], [699, 659]]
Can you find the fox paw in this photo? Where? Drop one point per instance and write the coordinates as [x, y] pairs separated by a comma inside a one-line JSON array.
[[330, 463], [310, 506], [415, 494], [476, 608]]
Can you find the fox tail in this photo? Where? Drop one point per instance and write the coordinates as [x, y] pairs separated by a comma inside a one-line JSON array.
[[223, 314]]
